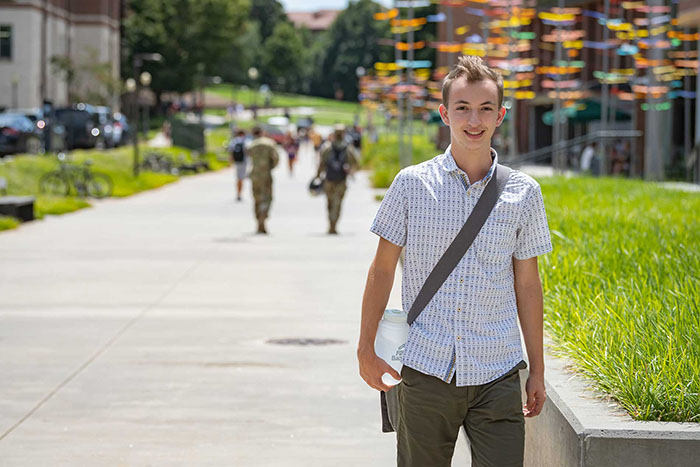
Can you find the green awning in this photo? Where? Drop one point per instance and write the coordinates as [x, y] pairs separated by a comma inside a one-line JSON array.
[[434, 117], [584, 111]]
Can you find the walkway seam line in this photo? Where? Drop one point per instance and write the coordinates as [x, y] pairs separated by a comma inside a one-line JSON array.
[[104, 348]]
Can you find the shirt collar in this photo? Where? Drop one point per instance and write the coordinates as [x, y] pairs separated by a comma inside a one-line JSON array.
[[449, 164]]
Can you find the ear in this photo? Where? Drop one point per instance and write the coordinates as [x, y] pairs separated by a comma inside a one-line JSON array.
[[501, 116], [443, 114]]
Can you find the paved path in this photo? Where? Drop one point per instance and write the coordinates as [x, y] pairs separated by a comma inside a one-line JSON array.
[[136, 332]]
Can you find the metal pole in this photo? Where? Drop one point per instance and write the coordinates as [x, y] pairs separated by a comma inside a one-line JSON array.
[[450, 36], [686, 103], [556, 159], [605, 94], [513, 100], [612, 96], [653, 144], [400, 96], [136, 65], [696, 169], [409, 103]]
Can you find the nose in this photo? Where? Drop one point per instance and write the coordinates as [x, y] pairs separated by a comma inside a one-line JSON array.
[[473, 118]]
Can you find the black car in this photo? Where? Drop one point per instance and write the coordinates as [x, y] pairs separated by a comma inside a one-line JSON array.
[[82, 125], [18, 134], [43, 126], [106, 127], [122, 130]]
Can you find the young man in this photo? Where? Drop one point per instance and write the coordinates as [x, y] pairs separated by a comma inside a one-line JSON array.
[[237, 149], [264, 157], [463, 352], [338, 160]]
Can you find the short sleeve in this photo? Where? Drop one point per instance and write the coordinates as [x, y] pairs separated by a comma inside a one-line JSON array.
[[533, 234], [390, 222]]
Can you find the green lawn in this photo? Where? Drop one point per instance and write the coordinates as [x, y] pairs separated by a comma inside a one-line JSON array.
[[382, 157], [247, 97], [621, 288], [325, 111], [23, 173], [622, 291]]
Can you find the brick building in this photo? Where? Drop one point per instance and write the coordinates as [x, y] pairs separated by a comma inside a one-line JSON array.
[[33, 32]]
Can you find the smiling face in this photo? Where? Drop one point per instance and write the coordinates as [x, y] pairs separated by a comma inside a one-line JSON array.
[[473, 114]]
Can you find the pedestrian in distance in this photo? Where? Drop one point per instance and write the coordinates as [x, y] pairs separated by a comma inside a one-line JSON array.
[[338, 160], [237, 151], [263, 157], [463, 354], [291, 146], [317, 141]]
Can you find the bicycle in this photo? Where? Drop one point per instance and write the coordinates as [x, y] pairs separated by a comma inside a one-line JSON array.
[[78, 178], [158, 162]]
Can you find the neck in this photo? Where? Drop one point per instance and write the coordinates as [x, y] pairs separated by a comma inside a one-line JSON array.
[[476, 164]]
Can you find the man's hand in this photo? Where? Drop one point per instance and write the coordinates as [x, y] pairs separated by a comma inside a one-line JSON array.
[[372, 368], [536, 395]]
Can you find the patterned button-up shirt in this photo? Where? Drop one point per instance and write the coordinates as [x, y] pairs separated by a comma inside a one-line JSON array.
[[470, 327]]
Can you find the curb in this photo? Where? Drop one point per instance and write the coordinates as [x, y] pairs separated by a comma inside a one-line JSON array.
[[578, 428]]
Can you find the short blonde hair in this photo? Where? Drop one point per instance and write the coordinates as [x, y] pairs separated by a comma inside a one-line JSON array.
[[474, 69]]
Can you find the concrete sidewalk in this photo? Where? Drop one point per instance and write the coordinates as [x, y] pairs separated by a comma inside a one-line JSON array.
[[137, 332]]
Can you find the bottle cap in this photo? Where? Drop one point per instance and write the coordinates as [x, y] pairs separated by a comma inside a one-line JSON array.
[[395, 316]]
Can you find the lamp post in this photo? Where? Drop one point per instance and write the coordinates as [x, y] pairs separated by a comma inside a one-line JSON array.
[[360, 72], [137, 62], [145, 80], [253, 75], [207, 80]]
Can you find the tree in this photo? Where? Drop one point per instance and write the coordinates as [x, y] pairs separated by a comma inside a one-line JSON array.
[[284, 58], [352, 42], [89, 80], [242, 54], [268, 14], [191, 35]]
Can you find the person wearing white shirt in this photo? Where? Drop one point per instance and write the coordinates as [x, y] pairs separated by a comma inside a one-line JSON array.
[[463, 353]]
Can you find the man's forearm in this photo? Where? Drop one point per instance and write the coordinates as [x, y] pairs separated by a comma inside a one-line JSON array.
[[374, 302], [529, 299]]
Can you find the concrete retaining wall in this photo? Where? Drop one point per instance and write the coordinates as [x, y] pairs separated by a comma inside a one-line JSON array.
[[577, 428]]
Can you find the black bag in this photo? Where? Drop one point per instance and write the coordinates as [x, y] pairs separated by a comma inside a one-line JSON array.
[[238, 152], [336, 165], [389, 401]]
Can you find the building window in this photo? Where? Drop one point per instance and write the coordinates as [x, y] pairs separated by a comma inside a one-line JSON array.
[[5, 41]]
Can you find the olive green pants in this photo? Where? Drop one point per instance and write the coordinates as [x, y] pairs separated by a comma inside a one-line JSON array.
[[432, 412], [335, 192]]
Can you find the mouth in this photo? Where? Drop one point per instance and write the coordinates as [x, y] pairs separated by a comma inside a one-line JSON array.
[[474, 134]]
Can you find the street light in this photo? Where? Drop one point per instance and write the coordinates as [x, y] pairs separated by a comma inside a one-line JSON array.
[[137, 62], [204, 81], [253, 75], [145, 80], [360, 72]]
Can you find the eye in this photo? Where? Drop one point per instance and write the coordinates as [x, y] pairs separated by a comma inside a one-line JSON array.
[[461, 107], [487, 109]]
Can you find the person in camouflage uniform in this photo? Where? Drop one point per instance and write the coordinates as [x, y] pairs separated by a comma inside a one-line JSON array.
[[264, 157], [338, 160]]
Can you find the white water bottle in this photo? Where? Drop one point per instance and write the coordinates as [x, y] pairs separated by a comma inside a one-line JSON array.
[[391, 341]]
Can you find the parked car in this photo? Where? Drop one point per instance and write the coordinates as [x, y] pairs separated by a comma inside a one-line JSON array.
[[122, 129], [18, 134], [276, 128], [82, 125], [58, 132], [106, 126]]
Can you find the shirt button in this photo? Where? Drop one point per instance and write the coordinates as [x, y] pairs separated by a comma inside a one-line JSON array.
[[459, 338], [459, 309], [461, 281]]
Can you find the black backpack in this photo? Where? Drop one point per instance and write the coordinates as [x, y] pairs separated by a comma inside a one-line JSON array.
[[238, 152], [335, 166]]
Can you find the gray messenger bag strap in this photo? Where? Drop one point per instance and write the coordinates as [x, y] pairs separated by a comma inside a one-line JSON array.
[[444, 267]]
